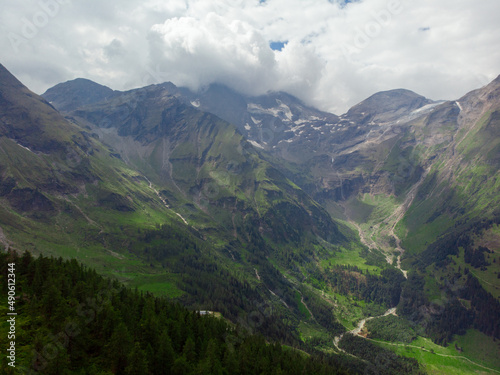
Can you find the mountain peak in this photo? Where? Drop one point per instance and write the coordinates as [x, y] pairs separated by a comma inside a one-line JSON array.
[[8, 80], [28, 120], [388, 105], [76, 93]]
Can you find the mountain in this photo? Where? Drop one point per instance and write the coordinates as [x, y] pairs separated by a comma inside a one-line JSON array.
[[419, 181], [57, 176], [265, 120], [197, 158], [200, 163], [76, 93], [386, 106], [169, 199], [299, 223]]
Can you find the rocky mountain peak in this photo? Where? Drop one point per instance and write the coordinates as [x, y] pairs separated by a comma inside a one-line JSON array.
[[387, 106], [77, 93]]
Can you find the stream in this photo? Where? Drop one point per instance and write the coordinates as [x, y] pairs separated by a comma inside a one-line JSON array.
[[163, 200]]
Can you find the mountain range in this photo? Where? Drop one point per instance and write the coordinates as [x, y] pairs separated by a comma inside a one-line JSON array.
[[289, 221]]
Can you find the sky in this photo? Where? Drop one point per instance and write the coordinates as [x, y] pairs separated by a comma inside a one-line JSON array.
[[331, 54]]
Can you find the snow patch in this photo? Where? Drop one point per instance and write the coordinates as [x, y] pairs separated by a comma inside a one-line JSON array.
[[295, 128], [184, 220], [282, 111], [255, 144], [425, 108], [26, 148], [255, 121], [286, 109]]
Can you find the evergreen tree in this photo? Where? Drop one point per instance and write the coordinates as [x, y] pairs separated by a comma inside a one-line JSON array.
[[189, 350], [164, 356], [181, 366], [137, 363], [211, 362], [119, 347]]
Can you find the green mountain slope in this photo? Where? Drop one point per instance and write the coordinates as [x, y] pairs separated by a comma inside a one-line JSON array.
[[55, 175], [196, 158], [462, 182]]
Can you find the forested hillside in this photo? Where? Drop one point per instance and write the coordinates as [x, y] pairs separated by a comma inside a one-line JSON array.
[[73, 321]]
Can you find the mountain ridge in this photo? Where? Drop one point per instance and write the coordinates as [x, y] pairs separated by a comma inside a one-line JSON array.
[[352, 138]]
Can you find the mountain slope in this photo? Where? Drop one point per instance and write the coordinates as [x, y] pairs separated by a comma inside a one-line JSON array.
[[117, 330], [55, 175], [195, 157], [462, 160], [386, 106]]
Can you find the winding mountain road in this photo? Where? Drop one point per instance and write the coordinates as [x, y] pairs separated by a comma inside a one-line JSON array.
[[356, 331]]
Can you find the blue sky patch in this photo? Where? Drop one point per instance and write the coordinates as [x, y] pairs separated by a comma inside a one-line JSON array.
[[342, 3], [278, 46]]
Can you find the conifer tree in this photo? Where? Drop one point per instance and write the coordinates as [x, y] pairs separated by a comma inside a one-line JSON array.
[[137, 363], [119, 347]]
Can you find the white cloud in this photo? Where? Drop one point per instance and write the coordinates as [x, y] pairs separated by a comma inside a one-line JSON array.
[[335, 56], [196, 52]]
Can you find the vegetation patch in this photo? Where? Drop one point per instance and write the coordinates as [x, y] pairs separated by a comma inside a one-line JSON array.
[[438, 359], [390, 328]]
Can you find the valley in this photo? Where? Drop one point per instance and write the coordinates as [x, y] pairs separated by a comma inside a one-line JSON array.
[[369, 238]]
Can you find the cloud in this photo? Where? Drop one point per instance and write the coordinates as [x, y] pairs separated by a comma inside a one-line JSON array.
[[336, 54], [196, 52]]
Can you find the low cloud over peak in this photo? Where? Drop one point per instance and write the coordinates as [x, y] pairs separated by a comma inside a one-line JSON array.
[[331, 54]]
